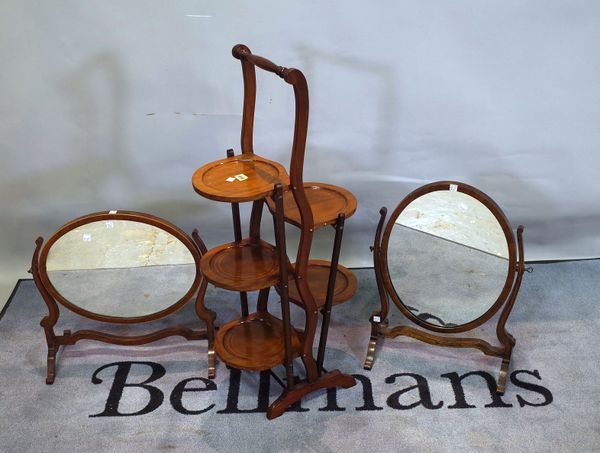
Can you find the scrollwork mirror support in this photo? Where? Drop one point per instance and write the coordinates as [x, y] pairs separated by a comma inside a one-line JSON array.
[[446, 334]]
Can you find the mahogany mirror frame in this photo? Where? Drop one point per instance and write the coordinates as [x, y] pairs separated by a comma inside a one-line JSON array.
[[51, 295], [505, 300]]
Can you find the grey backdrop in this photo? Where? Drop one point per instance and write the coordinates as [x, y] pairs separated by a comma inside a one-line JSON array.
[[113, 104]]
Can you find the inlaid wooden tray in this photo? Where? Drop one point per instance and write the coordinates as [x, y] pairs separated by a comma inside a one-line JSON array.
[[254, 343], [326, 202], [247, 265], [245, 177], [318, 278]]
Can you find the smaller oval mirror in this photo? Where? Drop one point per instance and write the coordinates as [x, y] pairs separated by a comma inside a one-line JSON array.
[[447, 257], [115, 268]]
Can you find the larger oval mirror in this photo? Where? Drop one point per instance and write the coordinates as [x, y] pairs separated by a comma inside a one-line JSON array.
[[448, 256], [113, 268]]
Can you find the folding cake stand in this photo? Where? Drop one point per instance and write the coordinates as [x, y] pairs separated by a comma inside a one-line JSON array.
[[260, 341]]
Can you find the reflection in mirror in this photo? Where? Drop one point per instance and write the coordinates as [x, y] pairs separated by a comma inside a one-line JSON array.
[[447, 258], [120, 268]]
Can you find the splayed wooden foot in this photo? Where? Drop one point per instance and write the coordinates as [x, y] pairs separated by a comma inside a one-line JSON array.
[[502, 376], [51, 365], [212, 368], [370, 353], [375, 326], [334, 378]]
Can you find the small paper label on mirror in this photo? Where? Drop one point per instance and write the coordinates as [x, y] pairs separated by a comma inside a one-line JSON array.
[[241, 177], [376, 319], [453, 188], [110, 224], [230, 179], [112, 212], [87, 237]]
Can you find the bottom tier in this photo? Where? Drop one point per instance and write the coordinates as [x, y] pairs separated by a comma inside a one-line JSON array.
[[254, 343], [318, 279]]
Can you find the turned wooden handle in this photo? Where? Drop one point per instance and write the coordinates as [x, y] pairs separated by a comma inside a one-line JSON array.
[[243, 53]]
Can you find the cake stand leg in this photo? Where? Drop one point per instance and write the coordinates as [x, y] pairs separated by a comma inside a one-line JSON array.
[[283, 285], [263, 299], [337, 245], [237, 233]]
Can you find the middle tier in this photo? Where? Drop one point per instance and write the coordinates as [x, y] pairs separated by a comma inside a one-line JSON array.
[[248, 265], [326, 203]]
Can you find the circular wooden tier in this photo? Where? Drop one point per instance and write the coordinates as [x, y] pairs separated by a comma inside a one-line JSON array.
[[326, 202], [254, 343], [247, 265], [245, 177], [318, 278]]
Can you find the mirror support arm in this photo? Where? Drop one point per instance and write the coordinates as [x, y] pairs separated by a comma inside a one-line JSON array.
[[379, 317], [48, 322], [507, 340], [208, 316]]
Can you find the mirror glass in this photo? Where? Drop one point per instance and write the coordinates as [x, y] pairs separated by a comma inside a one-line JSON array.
[[120, 268], [447, 258]]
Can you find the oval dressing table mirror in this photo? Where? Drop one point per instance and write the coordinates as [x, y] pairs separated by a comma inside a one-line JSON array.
[[449, 261], [119, 267]]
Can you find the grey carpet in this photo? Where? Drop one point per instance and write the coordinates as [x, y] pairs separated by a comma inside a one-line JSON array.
[[552, 402]]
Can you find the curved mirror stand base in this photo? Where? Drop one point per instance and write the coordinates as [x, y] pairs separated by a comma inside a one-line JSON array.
[[381, 329], [448, 221], [69, 338], [45, 259]]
